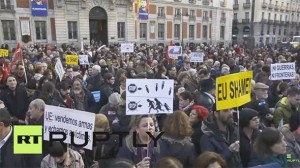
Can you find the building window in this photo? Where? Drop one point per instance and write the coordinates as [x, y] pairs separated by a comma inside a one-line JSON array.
[[279, 32], [235, 16], [280, 17], [269, 17], [204, 35], [286, 18], [176, 31], [8, 27], [222, 32], [177, 12], [192, 32], [161, 31], [6, 4], [72, 30], [192, 13], [161, 11], [268, 29], [236, 2], [263, 15], [223, 14], [262, 30], [143, 30], [274, 30], [247, 16], [40, 29], [285, 32], [121, 30]]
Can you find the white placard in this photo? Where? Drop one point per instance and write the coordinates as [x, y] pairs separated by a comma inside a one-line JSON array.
[[25, 28], [83, 60], [149, 96], [127, 47], [59, 69], [174, 51], [58, 119], [282, 71], [196, 57]]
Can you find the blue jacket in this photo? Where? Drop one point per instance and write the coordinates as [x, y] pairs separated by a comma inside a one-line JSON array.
[[257, 160]]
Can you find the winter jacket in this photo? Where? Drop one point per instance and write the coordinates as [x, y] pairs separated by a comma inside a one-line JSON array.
[[256, 160], [282, 111], [106, 90], [89, 101], [293, 146], [183, 150], [246, 146], [212, 140], [73, 160], [196, 136], [204, 100]]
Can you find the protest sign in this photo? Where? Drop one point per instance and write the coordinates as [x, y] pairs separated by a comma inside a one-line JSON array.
[[149, 96], [282, 71], [174, 51], [72, 59], [58, 119], [233, 90], [59, 69], [127, 47], [83, 59], [3, 52], [196, 57]]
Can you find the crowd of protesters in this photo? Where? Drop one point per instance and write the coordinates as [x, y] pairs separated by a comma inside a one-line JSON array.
[[195, 134]]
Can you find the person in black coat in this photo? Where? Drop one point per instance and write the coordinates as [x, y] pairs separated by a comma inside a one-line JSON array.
[[7, 156], [15, 98], [106, 88], [249, 124], [206, 97]]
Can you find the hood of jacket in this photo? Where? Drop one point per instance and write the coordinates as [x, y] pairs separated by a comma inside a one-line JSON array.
[[282, 104]]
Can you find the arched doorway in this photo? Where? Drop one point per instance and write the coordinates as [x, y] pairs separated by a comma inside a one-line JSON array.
[[98, 26]]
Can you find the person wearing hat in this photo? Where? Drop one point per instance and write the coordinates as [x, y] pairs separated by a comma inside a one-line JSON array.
[[259, 104], [62, 96], [206, 96], [112, 111], [285, 107], [249, 130]]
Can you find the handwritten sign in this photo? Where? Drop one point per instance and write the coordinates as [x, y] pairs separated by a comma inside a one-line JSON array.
[[127, 47], [3, 52], [282, 71], [196, 57], [83, 59], [72, 59]]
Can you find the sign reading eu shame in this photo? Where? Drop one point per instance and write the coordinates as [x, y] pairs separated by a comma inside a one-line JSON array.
[[39, 7]]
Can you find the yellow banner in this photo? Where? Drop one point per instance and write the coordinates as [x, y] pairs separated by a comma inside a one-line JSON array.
[[3, 52], [233, 90], [72, 59]]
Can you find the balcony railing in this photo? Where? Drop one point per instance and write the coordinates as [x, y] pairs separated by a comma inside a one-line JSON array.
[[270, 6], [235, 6], [264, 5], [192, 17], [282, 8], [286, 23], [161, 16], [287, 9], [282, 22], [247, 5], [205, 18], [276, 22], [223, 20], [246, 21], [177, 17], [270, 21], [205, 2], [235, 21], [264, 20], [277, 7]]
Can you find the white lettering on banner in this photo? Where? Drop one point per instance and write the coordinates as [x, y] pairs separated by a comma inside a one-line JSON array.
[[196, 57], [58, 119], [83, 59], [280, 71]]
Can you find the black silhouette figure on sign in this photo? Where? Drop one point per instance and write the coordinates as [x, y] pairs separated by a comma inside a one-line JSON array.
[[167, 107], [158, 104], [151, 105]]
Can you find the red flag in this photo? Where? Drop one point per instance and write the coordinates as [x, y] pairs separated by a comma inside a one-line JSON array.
[[4, 68], [17, 57]]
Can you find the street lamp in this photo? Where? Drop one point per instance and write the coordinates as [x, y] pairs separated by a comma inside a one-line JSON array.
[[181, 14]]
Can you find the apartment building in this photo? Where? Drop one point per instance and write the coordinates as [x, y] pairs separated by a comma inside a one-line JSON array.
[[273, 20], [111, 21]]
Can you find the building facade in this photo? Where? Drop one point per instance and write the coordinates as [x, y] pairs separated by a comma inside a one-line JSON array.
[[273, 21], [117, 21]]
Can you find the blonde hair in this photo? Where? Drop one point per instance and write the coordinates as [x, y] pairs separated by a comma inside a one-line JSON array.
[[134, 123], [101, 121]]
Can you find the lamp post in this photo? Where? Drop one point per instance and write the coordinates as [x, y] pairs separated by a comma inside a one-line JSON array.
[[181, 14]]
